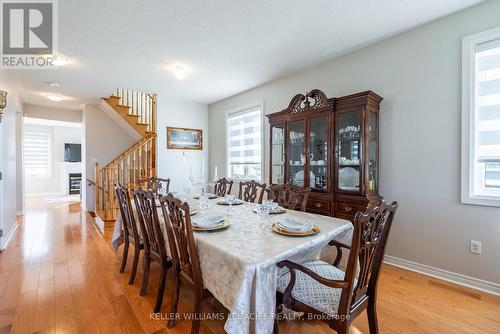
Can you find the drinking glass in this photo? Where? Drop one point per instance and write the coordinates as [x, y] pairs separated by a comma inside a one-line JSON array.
[[270, 204], [263, 213], [230, 200], [186, 192], [203, 203]]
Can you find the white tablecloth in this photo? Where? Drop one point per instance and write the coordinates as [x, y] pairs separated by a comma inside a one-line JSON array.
[[239, 263]]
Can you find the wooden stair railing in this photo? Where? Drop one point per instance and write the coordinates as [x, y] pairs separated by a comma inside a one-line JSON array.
[[137, 108], [138, 161]]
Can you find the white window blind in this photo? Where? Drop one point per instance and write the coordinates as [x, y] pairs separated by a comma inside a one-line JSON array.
[[244, 144], [482, 119], [37, 154]]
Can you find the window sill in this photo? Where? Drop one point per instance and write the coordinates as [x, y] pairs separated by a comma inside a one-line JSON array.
[[482, 201], [244, 180]]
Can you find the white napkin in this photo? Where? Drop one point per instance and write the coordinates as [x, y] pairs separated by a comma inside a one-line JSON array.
[[293, 225], [208, 221]]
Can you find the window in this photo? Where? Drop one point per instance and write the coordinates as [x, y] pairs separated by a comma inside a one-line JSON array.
[[37, 155], [481, 118], [244, 143]]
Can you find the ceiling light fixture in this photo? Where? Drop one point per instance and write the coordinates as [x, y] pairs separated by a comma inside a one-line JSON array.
[[180, 73], [54, 83], [54, 97], [58, 59]]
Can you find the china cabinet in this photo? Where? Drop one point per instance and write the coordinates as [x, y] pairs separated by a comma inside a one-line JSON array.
[[331, 146]]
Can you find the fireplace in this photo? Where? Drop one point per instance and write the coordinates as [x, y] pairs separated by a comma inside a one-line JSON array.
[[75, 183]]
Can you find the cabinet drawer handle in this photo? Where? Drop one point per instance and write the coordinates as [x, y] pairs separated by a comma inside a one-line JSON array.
[[347, 208], [318, 205]]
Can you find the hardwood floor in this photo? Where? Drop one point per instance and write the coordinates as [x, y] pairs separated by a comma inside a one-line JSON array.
[[60, 275]]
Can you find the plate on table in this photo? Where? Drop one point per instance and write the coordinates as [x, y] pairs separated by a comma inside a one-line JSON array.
[[276, 211], [210, 196], [236, 202], [276, 228], [210, 223]]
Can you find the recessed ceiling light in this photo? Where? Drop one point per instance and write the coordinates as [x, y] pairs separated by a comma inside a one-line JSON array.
[[54, 83], [180, 73], [55, 97]]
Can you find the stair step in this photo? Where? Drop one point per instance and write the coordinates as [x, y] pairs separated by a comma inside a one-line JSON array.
[[124, 111]]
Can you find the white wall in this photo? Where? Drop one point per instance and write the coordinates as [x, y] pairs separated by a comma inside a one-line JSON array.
[[19, 164], [418, 74], [60, 136], [8, 184], [103, 141], [56, 114], [175, 164]]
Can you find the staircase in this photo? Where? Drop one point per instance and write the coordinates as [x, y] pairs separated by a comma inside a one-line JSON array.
[[138, 161]]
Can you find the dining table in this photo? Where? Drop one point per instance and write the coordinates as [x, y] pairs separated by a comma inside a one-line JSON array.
[[238, 263]]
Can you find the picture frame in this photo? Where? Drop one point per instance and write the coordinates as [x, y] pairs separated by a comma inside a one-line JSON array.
[[184, 138]]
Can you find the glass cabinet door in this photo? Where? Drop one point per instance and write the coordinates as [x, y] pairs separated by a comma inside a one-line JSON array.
[[278, 154], [318, 152], [296, 155], [372, 151], [349, 146]]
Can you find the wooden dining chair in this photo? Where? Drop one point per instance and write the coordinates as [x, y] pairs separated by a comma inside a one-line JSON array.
[[154, 242], [223, 187], [340, 245], [154, 184], [186, 264], [251, 191], [130, 233], [289, 196], [335, 296]]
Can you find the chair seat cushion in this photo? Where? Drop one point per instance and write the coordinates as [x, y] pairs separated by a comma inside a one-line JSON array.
[[311, 292]]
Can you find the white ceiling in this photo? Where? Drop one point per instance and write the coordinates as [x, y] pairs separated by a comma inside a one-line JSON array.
[[227, 46]]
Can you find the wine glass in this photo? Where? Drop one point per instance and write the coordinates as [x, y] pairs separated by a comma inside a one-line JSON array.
[[187, 192], [203, 203], [230, 200], [263, 213], [270, 204]]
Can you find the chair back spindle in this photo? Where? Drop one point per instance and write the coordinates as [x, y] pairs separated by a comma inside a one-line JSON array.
[[180, 238], [128, 220], [289, 196], [154, 184], [251, 191], [145, 202], [223, 187], [369, 241]]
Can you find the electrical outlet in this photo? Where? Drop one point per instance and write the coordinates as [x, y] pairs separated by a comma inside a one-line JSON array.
[[475, 247]]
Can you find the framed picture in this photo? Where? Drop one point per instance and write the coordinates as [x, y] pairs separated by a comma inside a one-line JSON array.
[[184, 139]]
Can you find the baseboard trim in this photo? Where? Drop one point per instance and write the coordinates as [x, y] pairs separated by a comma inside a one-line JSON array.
[[467, 281], [98, 222], [9, 236]]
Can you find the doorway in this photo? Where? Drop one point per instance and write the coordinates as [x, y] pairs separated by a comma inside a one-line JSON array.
[[52, 159]]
